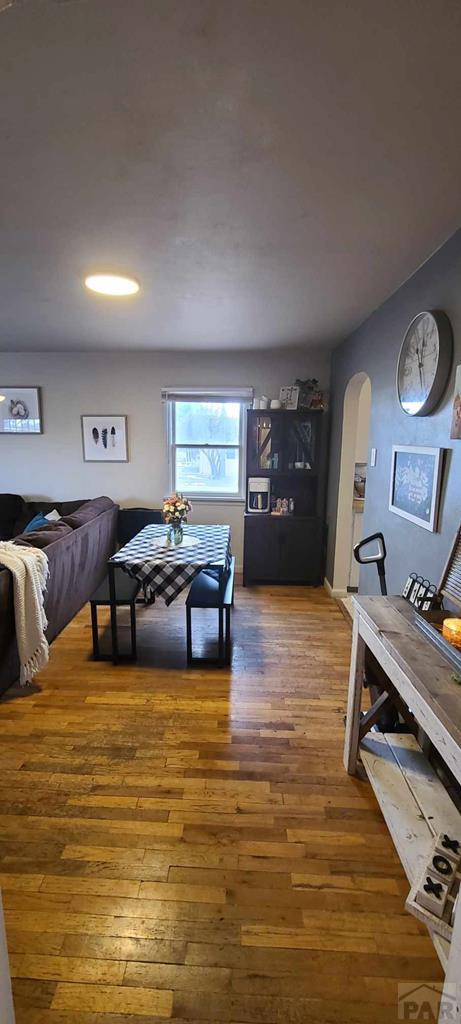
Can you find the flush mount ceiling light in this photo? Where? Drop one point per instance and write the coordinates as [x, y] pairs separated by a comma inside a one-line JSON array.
[[111, 284]]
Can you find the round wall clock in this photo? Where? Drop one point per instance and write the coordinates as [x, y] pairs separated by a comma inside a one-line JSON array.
[[424, 363]]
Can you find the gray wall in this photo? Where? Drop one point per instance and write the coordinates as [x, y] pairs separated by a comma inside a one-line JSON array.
[[51, 464], [374, 349]]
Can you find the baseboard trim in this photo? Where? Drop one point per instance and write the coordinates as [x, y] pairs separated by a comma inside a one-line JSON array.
[[328, 587], [335, 594]]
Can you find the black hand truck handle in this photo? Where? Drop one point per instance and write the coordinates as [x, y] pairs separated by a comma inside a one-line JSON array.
[[377, 557]]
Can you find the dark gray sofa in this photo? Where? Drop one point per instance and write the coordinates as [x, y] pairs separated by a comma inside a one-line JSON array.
[[77, 562]]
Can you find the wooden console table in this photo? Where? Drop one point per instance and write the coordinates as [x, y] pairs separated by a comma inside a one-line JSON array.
[[413, 800]]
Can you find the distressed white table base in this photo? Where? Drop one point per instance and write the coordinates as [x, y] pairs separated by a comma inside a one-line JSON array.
[[414, 803]]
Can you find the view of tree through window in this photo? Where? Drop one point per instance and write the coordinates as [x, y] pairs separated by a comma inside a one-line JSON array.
[[206, 447]]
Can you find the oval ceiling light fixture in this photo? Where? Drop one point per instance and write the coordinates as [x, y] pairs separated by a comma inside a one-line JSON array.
[[112, 284]]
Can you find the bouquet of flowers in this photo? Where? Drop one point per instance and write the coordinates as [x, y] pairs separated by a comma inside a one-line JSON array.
[[176, 509]]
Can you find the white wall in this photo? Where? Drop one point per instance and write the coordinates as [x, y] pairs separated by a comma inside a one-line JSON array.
[[363, 422], [344, 523], [51, 465], [361, 455]]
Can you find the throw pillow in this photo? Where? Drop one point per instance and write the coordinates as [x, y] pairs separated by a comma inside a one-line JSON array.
[[35, 523], [53, 516]]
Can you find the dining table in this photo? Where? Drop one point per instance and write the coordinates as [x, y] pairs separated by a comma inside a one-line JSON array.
[[163, 568]]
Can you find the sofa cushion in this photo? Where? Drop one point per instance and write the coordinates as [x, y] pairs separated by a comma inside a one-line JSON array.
[[44, 535], [89, 510], [11, 508]]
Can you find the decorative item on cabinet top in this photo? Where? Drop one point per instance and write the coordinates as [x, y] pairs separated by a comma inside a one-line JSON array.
[[303, 394], [289, 397]]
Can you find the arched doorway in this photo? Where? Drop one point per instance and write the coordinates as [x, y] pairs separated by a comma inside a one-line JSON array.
[[354, 452]]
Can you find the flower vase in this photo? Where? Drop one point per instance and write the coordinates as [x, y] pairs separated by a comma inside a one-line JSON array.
[[176, 533]]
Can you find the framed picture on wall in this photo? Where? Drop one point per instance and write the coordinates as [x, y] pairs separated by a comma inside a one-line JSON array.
[[455, 432], [416, 475], [104, 439], [20, 411]]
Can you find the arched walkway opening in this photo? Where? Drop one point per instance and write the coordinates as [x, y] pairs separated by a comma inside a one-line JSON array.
[[354, 458]]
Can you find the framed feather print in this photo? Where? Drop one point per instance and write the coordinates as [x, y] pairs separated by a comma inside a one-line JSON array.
[[104, 439]]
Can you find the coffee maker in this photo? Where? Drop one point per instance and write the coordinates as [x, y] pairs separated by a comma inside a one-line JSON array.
[[259, 494]]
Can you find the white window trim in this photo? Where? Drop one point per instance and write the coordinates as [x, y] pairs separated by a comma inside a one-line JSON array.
[[242, 395]]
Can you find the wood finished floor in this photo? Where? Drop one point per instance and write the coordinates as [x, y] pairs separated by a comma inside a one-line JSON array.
[[185, 845]]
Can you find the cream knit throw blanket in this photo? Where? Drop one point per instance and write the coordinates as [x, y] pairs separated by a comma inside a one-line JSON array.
[[29, 569]]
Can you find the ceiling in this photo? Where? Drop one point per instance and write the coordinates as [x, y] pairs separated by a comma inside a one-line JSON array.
[[270, 170]]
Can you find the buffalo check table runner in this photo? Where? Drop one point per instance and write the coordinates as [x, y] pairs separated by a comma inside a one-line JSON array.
[[167, 570]]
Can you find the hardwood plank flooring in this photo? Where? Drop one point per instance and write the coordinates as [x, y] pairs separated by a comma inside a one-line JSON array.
[[184, 844]]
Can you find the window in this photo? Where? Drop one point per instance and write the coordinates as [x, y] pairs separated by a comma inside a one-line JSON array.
[[205, 440]]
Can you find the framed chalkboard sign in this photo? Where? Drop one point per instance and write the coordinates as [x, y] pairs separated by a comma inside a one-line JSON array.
[[414, 493]]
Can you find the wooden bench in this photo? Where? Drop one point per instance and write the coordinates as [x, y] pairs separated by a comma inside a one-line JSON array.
[[127, 590], [205, 592]]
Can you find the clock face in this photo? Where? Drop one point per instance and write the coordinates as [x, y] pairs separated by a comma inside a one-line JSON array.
[[424, 364]]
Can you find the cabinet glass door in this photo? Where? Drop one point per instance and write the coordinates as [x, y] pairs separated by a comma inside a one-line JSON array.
[[300, 452], [265, 444]]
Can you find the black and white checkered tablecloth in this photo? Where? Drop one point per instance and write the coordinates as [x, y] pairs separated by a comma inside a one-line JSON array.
[[167, 571]]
